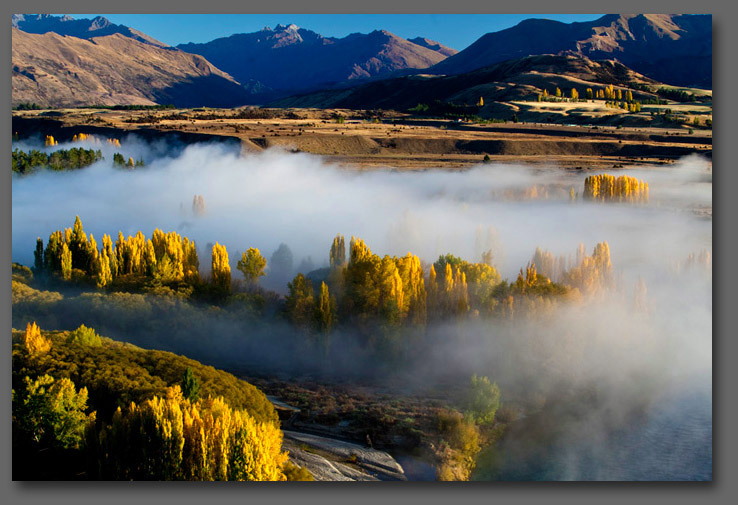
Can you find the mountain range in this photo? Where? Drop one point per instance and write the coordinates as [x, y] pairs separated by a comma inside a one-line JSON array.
[[656, 45], [62, 61], [289, 58]]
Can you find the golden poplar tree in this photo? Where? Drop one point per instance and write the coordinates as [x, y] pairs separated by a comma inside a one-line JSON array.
[[221, 269], [66, 262], [34, 342], [104, 274]]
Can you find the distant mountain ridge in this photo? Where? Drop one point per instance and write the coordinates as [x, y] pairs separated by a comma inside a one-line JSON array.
[[292, 58], [80, 28], [63, 71], [656, 45]]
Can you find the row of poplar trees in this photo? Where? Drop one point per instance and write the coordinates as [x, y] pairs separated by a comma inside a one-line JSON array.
[[72, 253], [167, 257]]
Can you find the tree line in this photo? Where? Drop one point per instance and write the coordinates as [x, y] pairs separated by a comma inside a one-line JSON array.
[[64, 159], [378, 297]]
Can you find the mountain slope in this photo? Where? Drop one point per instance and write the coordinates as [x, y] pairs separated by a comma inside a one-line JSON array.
[[292, 58], [433, 45], [510, 80], [54, 70], [80, 28], [656, 45]]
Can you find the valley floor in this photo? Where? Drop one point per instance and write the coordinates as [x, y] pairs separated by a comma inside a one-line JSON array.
[[398, 141]]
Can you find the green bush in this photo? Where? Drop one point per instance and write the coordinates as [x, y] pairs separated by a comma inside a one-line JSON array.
[[84, 336]]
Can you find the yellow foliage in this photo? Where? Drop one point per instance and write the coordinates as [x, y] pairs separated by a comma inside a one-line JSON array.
[[34, 342], [605, 187], [81, 137], [592, 273], [171, 438], [221, 268], [359, 250]]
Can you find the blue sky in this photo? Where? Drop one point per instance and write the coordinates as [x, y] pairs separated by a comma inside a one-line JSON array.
[[454, 30]]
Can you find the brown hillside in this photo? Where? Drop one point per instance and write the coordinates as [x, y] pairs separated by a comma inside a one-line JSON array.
[[54, 70]]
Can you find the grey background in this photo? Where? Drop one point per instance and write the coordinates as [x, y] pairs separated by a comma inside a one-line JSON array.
[[720, 490]]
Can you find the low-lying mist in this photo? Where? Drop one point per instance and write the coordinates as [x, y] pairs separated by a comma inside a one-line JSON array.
[[267, 199], [630, 355]]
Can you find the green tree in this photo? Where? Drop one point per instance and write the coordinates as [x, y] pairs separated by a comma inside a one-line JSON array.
[[300, 302], [79, 247], [483, 400], [84, 336], [325, 311], [50, 413], [252, 265], [190, 385], [38, 257]]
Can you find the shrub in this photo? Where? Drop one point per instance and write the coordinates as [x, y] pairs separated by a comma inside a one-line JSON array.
[[84, 336]]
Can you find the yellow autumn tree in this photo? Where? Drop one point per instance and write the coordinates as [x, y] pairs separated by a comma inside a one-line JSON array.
[[104, 274], [66, 262], [252, 265], [221, 269], [34, 342]]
